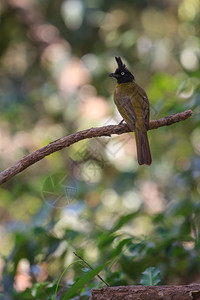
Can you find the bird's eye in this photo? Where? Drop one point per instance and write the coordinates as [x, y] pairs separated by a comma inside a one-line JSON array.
[[122, 73]]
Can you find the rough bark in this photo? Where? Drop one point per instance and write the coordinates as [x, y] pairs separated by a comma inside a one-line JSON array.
[[139, 292], [64, 142]]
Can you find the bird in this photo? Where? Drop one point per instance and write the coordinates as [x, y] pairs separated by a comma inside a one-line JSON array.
[[133, 105]]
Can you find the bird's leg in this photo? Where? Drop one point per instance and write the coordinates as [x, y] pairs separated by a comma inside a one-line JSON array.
[[121, 122]]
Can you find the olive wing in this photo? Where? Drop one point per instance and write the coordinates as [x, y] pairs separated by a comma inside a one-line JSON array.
[[145, 106], [126, 110]]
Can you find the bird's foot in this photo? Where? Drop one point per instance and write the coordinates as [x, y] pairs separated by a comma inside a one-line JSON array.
[[121, 122]]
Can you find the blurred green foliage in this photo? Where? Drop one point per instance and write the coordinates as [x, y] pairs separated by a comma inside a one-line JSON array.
[[93, 198]]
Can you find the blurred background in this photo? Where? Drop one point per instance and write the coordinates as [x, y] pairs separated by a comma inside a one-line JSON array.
[[93, 198]]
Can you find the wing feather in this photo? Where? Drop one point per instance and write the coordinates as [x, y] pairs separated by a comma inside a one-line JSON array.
[[145, 106], [126, 110], [136, 101]]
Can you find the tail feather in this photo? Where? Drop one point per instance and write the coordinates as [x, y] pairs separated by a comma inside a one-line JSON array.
[[143, 149]]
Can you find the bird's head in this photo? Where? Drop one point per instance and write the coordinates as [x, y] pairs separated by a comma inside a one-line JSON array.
[[122, 74]]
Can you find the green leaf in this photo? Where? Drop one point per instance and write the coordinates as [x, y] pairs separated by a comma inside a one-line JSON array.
[[82, 281], [151, 276], [105, 239], [124, 220], [74, 262]]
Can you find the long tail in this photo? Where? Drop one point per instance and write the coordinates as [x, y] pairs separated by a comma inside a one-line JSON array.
[[143, 150]]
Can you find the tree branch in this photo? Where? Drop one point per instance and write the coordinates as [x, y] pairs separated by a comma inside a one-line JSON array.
[[59, 144], [181, 292]]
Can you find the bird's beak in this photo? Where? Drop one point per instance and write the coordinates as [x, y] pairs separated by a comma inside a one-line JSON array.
[[114, 75]]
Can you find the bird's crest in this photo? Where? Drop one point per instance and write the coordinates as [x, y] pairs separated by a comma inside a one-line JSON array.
[[119, 62], [122, 74]]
